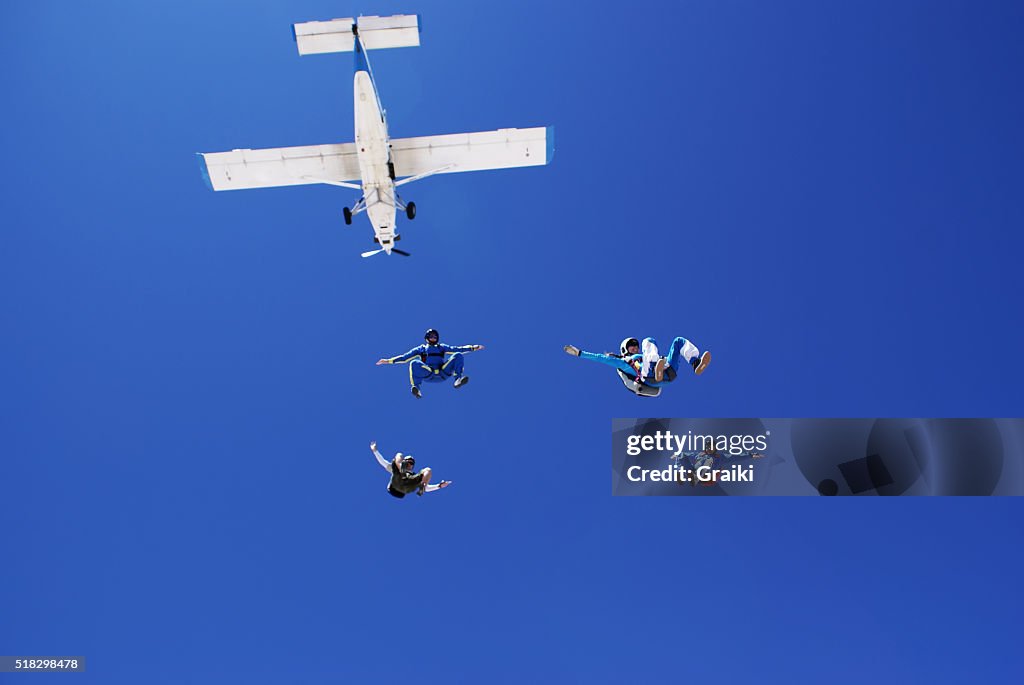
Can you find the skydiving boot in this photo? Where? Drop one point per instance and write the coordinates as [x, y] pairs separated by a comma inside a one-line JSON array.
[[416, 392], [461, 381], [574, 351], [659, 369], [700, 363]]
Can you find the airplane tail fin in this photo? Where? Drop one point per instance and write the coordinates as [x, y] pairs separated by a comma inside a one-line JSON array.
[[375, 33]]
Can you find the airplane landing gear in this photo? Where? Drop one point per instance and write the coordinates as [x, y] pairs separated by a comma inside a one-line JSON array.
[[410, 210], [348, 216]]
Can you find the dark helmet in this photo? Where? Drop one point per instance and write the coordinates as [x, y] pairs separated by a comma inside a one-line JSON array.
[[408, 463], [432, 333], [628, 342]]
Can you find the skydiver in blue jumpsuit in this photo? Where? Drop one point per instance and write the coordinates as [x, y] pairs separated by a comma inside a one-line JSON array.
[[427, 363], [645, 364]]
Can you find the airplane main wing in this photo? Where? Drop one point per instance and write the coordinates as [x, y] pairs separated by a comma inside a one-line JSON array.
[[339, 163], [501, 149], [280, 166]]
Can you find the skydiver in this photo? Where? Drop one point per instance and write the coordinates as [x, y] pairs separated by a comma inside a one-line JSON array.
[[645, 364], [432, 367], [404, 480]]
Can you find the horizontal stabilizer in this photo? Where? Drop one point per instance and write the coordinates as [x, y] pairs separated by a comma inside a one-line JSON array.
[[280, 166], [376, 33]]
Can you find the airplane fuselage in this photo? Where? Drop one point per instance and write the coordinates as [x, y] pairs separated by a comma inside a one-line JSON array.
[[374, 157]]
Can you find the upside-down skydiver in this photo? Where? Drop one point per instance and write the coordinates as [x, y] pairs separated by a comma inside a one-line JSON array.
[[644, 363]]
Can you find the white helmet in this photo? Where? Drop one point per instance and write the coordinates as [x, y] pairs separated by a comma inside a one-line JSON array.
[[628, 342]]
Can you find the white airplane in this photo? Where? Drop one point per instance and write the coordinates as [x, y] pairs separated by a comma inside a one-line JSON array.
[[375, 163]]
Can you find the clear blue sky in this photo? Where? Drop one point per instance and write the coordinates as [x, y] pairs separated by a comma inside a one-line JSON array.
[[826, 195]]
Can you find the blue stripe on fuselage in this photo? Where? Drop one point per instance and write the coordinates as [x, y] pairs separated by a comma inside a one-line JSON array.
[[361, 64]]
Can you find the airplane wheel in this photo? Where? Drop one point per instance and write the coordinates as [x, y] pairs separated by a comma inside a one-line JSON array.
[[410, 210], [348, 216]]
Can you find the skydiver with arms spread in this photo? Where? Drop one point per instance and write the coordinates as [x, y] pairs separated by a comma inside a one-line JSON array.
[[404, 478], [427, 362]]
